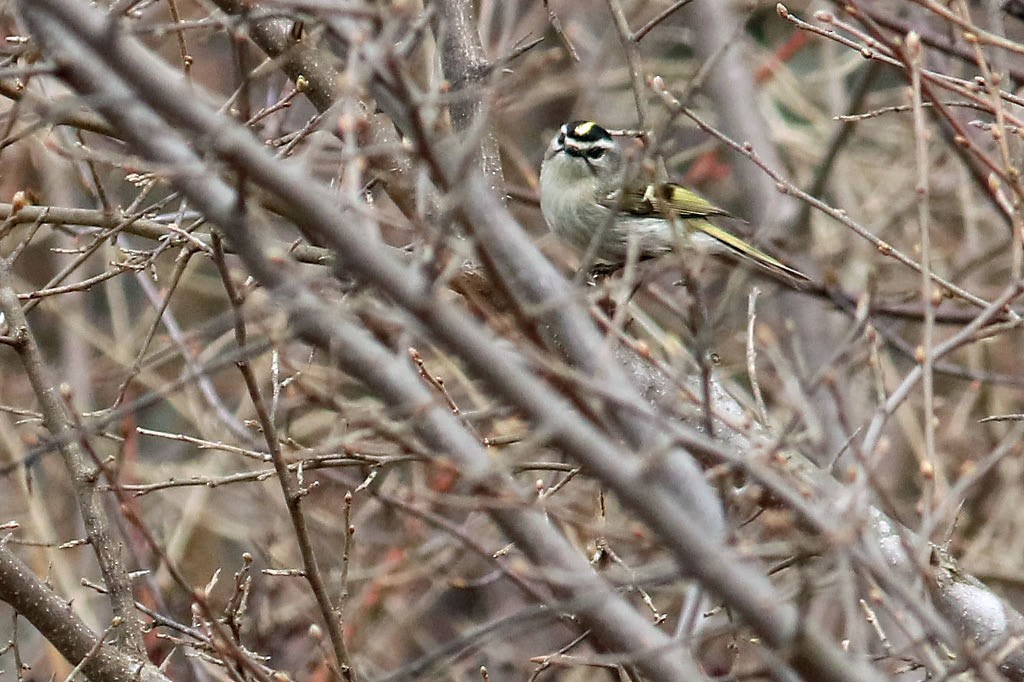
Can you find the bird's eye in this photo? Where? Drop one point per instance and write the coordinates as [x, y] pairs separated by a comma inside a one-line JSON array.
[[595, 152], [561, 139]]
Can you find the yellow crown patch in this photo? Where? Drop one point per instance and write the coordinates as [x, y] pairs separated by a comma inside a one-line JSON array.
[[583, 128]]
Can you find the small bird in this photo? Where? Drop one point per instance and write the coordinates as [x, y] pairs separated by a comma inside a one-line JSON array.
[[582, 194]]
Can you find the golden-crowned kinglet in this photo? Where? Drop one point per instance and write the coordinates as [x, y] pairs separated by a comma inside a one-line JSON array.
[[582, 195]]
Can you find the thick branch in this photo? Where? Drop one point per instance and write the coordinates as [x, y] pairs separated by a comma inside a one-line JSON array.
[[463, 62], [83, 473], [55, 620]]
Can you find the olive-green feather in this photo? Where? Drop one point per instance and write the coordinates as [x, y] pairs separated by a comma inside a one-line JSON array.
[[677, 200], [663, 200]]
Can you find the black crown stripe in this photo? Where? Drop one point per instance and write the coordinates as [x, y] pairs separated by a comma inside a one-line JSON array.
[[587, 131]]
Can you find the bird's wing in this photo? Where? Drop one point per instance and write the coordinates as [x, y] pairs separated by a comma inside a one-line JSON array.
[[669, 199], [678, 200], [661, 200]]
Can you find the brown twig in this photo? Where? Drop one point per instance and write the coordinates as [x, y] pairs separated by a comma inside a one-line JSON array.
[[556, 24], [935, 483], [636, 71], [290, 485], [641, 32]]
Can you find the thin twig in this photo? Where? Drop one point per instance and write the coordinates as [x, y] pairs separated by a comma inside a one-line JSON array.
[[636, 71], [290, 487], [755, 385], [934, 484], [556, 24], [641, 32]]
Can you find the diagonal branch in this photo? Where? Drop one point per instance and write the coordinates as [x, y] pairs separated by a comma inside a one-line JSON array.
[[50, 614], [83, 474]]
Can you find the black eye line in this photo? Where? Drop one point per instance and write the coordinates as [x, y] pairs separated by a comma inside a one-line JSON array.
[[588, 154]]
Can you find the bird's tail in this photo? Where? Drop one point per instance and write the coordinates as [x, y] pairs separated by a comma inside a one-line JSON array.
[[746, 252]]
